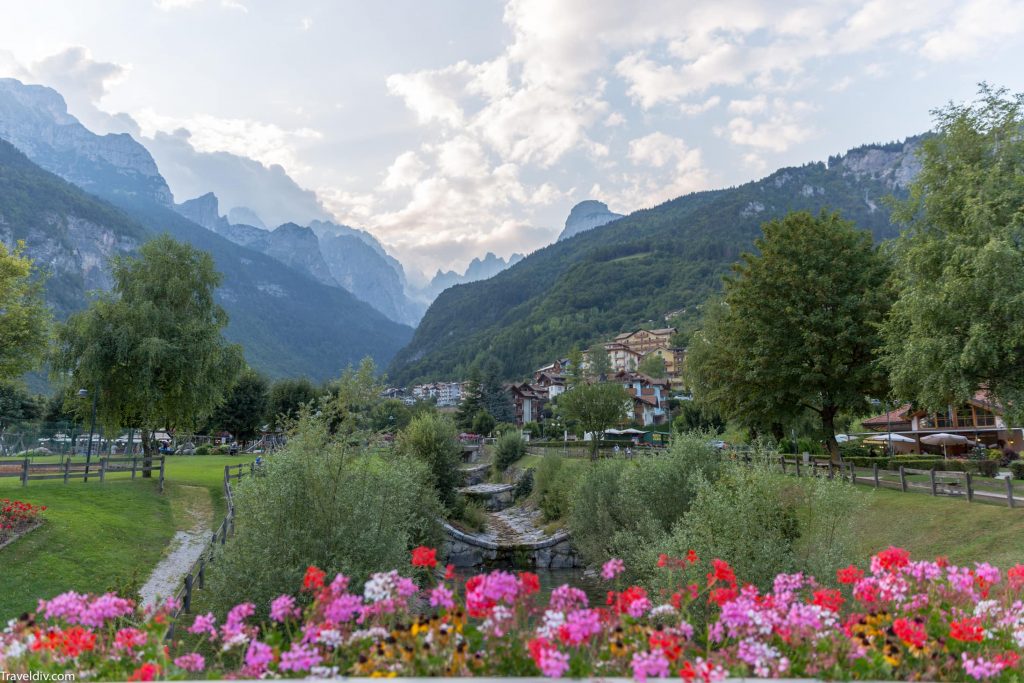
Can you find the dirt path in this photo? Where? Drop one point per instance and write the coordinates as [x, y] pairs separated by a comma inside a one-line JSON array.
[[193, 515]]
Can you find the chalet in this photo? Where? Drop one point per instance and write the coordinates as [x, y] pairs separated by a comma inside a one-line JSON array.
[[553, 384], [674, 360], [621, 357], [559, 367], [643, 341], [979, 419], [528, 401], [650, 396]]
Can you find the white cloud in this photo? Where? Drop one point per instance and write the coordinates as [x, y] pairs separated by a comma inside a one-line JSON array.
[[700, 107], [783, 127], [976, 26], [170, 5], [405, 171]]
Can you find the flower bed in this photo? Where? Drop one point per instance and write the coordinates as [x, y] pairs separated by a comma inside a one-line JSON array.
[[895, 619], [17, 516]]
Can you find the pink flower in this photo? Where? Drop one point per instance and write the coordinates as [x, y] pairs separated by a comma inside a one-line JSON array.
[[567, 597], [649, 664], [204, 623], [299, 658], [548, 659], [980, 668], [190, 662], [612, 568], [283, 608], [129, 638], [440, 596], [580, 625], [343, 608], [257, 658]]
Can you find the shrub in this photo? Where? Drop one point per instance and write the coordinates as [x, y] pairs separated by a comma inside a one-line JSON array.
[[510, 448], [433, 439], [203, 450], [524, 485], [1017, 469], [852, 449], [472, 515], [327, 503], [483, 423], [554, 485]]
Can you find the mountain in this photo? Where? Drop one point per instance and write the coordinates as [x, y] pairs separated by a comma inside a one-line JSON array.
[[289, 323], [587, 215], [243, 215], [35, 119], [477, 269], [640, 267]]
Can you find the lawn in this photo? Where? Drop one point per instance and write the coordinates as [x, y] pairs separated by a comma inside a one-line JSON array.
[[102, 536], [929, 527]]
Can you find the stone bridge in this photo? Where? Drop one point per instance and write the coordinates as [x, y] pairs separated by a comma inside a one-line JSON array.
[[472, 550]]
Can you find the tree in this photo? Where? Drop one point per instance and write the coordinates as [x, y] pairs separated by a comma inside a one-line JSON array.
[[483, 423], [472, 403], [24, 316], [798, 327], [956, 326], [245, 406], [653, 365], [600, 365], [390, 416], [576, 373], [434, 439], [595, 408], [694, 417], [287, 396], [493, 397], [153, 345]]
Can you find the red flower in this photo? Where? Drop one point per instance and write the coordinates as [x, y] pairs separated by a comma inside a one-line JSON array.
[[967, 630], [449, 572], [667, 643], [147, 672], [721, 571], [910, 632], [849, 575], [1015, 575], [314, 578], [691, 556], [662, 560], [529, 583], [686, 671], [424, 557], [893, 558], [828, 598]]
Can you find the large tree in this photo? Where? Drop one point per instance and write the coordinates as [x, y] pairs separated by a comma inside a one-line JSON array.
[[287, 396], [956, 326], [244, 410], [24, 317], [153, 346], [797, 328], [595, 408]]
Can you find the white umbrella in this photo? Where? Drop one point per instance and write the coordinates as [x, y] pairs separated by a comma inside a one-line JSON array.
[[944, 439], [886, 438], [845, 438]]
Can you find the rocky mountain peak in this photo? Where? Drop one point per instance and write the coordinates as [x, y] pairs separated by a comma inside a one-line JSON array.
[[243, 215], [204, 210], [587, 215]]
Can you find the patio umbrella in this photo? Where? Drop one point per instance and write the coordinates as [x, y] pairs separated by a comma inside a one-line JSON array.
[[944, 439], [888, 439], [845, 438]]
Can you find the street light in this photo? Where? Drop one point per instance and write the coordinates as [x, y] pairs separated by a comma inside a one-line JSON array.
[[83, 393]]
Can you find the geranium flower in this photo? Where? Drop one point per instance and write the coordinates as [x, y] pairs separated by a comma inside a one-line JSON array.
[[612, 568], [314, 578], [967, 630], [849, 575], [424, 557]]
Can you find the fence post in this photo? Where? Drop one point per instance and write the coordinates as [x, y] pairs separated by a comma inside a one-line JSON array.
[[133, 466], [162, 461], [224, 532], [797, 469], [24, 472], [103, 470], [903, 480], [202, 572], [853, 474], [874, 473], [782, 463], [831, 471], [970, 488], [67, 463], [1009, 492], [931, 479], [187, 607]]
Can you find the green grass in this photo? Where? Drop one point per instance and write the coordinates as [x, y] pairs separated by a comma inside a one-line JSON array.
[[929, 527], [108, 536]]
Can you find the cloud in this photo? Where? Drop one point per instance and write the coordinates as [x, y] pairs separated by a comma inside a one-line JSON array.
[[170, 5], [976, 26], [700, 107], [783, 127], [235, 179]]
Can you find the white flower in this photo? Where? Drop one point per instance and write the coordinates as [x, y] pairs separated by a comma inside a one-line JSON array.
[[330, 637], [663, 609]]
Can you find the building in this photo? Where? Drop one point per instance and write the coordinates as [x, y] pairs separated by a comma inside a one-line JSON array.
[[650, 396], [674, 360], [979, 420], [552, 384], [643, 341], [621, 357], [444, 393], [528, 401]]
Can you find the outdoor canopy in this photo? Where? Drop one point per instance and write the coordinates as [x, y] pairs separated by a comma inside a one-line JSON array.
[[887, 437]]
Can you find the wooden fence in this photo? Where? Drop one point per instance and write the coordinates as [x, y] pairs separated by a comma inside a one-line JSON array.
[[99, 469], [195, 578], [905, 479]]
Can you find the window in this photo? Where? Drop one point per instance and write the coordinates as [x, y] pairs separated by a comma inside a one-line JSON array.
[[927, 421], [943, 420], [985, 417], [964, 416]]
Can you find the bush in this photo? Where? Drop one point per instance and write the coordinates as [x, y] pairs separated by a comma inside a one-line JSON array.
[[852, 449], [524, 485], [553, 485], [1017, 469], [510, 448], [471, 515], [325, 503], [620, 507], [434, 439], [203, 450]]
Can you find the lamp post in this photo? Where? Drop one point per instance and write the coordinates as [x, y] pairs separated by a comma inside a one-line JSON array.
[[83, 393]]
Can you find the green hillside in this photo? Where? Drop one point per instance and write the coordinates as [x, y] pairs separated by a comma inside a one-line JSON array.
[[638, 268]]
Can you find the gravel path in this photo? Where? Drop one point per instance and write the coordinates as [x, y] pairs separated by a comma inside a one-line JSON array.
[[514, 526], [184, 548]]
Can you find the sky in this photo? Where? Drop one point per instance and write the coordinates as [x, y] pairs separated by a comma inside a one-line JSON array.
[[451, 128]]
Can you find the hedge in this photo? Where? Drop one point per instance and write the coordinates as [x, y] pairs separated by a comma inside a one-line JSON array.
[[1017, 468]]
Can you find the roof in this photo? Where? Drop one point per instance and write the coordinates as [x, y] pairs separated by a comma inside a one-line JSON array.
[[901, 414]]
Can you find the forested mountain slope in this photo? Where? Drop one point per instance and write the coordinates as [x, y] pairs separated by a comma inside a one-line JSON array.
[[640, 267]]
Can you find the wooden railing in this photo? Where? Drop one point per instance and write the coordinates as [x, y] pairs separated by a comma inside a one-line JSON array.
[[138, 465], [938, 483]]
